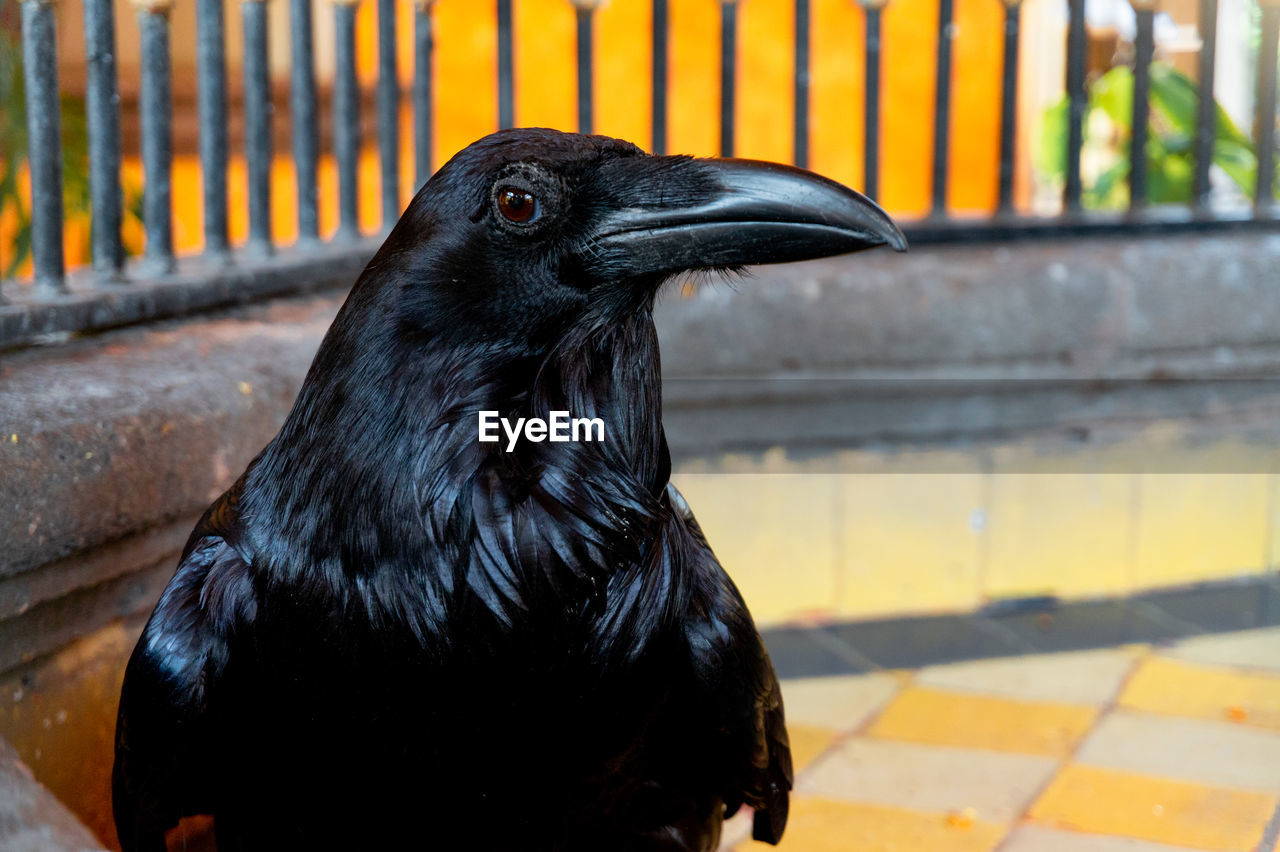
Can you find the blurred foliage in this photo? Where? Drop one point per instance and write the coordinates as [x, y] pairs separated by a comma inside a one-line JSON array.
[[1170, 147], [14, 199]]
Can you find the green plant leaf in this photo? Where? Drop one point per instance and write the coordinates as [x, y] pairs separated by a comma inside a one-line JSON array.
[[1051, 152], [1174, 102], [21, 247], [1238, 161], [1110, 190], [1113, 94], [1169, 179]]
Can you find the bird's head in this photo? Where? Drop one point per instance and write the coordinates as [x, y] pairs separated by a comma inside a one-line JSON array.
[[521, 279], [531, 234]]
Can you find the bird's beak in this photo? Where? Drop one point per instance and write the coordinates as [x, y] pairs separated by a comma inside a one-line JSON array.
[[745, 212]]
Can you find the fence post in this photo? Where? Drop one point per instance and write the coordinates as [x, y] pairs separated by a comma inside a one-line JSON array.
[[156, 113], [346, 117], [212, 106], [800, 111], [388, 97], [942, 108], [257, 123], [1144, 47], [585, 11], [1264, 197], [1206, 106], [302, 118], [506, 70], [1009, 105], [872, 10], [1077, 103], [102, 115], [661, 41], [728, 73], [44, 144], [424, 43]]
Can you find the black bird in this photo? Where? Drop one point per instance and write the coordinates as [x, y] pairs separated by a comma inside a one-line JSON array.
[[389, 634]]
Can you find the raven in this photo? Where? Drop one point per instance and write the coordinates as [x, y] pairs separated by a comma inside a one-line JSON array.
[[389, 634]]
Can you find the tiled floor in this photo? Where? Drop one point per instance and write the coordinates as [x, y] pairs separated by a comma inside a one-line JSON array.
[[1129, 749]]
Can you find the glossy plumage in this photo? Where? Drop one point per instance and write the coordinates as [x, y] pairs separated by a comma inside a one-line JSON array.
[[389, 635]]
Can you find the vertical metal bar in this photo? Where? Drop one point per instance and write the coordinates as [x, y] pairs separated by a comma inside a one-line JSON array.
[[44, 143], [585, 12], [800, 137], [728, 73], [1264, 191], [506, 68], [388, 112], [302, 117], [423, 42], [212, 97], [257, 122], [156, 114], [102, 114], [346, 117], [1206, 108], [871, 104], [1077, 103], [1144, 47], [1009, 105], [942, 108], [661, 40]]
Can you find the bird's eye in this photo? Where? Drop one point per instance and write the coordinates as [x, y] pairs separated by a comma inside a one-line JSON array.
[[517, 205]]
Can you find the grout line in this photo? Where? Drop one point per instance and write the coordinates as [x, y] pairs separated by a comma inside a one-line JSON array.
[[1001, 633], [986, 487], [1271, 833], [845, 650], [731, 840], [1153, 611], [906, 680], [1134, 543], [841, 737], [1269, 539], [1104, 711], [840, 582]]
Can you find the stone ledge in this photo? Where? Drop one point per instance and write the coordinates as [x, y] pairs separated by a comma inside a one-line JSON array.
[[1084, 304]]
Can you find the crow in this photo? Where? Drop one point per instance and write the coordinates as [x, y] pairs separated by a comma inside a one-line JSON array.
[[390, 634]]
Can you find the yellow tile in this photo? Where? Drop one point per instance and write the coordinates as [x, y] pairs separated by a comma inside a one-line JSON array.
[[1086, 798], [1273, 551], [807, 742], [774, 533], [1163, 685], [1198, 526], [823, 825], [1068, 534], [909, 543], [938, 717]]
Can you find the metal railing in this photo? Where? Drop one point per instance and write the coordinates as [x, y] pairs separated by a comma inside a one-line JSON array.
[[113, 292]]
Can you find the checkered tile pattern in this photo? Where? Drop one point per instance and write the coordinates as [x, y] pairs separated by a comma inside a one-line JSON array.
[[1132, 749]]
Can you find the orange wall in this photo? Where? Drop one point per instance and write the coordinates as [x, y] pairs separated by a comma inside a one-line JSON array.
[[546, 87], [545, 41]]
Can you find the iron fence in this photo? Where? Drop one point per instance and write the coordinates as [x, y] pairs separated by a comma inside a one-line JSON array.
[[113, 292]]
